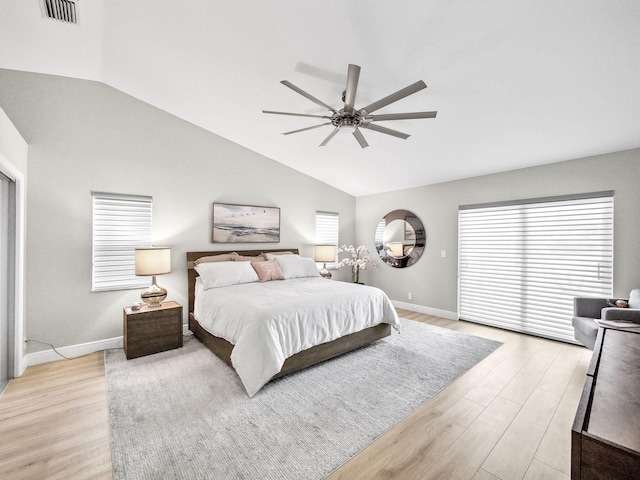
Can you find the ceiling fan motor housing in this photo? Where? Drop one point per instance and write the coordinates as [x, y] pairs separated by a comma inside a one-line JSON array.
[[343, 119]]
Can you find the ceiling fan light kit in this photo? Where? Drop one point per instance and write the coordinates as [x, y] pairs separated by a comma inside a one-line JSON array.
[[348, 116]]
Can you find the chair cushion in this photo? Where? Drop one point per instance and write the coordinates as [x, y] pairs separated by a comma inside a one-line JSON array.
[[588, 326], [585, 330], [634, 298]]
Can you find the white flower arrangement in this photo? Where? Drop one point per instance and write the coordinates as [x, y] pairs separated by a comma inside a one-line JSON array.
[[359, 260]]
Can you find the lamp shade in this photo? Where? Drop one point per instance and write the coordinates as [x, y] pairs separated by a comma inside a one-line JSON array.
[[325, 253], [153, 261]]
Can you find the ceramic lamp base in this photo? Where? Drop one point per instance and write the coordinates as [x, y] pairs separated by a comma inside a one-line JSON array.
[[154, 295], [325, 273]]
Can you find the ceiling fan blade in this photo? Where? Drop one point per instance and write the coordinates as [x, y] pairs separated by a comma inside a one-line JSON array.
[[352, 86], [360, 138], [295, 114], [307, 128], [388, 131], [394, 97], [307, 95], [401, 116], [331, 135]]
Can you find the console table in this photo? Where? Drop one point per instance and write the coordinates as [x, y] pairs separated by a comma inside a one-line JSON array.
[[605, 438]]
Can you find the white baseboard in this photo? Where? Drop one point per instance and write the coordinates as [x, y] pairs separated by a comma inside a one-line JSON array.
[[71, 351], [21, 365], [427, 310]]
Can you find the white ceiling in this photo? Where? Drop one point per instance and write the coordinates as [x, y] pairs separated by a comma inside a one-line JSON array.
[[515, 83]]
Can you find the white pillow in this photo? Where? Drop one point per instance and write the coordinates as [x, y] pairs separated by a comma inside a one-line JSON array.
[[294, 266], [272, 256], [222, 274]]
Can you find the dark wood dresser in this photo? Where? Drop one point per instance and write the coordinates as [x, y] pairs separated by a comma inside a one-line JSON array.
[[605, 438]]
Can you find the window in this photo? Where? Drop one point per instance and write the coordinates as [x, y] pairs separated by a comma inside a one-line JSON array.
[[327, 232], [121, 223], [521, 263]]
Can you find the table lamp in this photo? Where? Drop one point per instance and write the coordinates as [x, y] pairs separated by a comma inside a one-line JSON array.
[[396, 249], [325, 253], [153, 261]]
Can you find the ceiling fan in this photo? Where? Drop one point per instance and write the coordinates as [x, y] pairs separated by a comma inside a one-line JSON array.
[[348, 116]]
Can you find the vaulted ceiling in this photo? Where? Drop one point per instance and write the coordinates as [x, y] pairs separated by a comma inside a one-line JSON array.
[[515, 83]]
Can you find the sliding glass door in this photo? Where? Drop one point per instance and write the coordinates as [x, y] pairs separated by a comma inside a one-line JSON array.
[[521, 263]]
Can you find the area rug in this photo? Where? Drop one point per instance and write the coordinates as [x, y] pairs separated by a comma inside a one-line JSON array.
[[183, 414]]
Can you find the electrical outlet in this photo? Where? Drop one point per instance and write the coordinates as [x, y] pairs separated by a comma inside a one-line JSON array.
[[443, 253], [410, 296]]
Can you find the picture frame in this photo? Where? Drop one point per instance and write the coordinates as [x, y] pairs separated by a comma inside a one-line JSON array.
[[233, 223]]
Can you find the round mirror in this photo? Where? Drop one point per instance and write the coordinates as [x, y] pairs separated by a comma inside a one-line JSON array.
[[400, 238]]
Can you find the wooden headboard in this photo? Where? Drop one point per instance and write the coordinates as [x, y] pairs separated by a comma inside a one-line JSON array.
[[193, 256]]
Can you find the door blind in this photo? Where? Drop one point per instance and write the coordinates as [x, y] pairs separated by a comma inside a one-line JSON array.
[[121, 223], [521, 263]]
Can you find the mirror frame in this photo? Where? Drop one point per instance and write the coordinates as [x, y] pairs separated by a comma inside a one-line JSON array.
[[420, 240]]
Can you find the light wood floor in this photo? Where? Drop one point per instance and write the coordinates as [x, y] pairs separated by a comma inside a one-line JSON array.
[[509, 418], [54, 424]]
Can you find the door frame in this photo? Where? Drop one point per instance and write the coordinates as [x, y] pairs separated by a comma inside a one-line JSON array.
[[16, 301]]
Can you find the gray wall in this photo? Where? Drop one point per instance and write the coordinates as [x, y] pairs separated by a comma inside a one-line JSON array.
[[433, 279], [12, 146], [84, 136]]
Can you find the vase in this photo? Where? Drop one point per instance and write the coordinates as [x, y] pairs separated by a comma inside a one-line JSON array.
[[355, 274]]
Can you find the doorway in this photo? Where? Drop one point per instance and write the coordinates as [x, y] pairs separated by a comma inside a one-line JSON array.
[[7, 277]]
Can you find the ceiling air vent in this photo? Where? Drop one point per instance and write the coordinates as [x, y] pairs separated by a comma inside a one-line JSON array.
[[62, 10]]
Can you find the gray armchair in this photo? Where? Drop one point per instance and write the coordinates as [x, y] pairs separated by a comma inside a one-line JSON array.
[[587, 309]]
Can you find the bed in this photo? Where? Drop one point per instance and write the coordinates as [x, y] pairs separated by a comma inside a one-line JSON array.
[[229, 319]]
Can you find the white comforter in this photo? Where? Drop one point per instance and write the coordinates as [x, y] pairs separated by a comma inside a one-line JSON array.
[[271, 321]]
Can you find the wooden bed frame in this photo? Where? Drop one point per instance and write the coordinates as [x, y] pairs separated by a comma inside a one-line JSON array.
[[222, 348]]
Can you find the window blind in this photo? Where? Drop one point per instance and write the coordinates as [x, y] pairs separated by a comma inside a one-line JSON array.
[[121, 223], [379, 235], [327, 232], [521, 263]]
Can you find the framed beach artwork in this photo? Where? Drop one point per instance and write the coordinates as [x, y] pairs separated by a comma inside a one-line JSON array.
[[245, 224]]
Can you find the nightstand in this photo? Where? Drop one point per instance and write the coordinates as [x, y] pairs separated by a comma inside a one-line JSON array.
[[152, 330]]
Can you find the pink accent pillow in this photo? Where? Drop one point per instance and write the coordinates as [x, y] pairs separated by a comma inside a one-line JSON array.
[[269, 270]]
